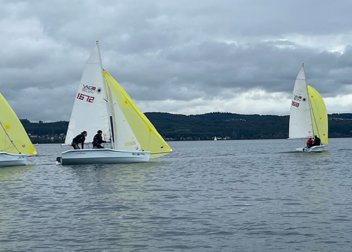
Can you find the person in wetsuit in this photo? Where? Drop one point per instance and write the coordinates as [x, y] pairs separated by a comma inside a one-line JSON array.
[[97, 140], [316, 140], [79, 139]]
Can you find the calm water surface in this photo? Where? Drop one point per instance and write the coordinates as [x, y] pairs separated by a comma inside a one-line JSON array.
[[206, 196]]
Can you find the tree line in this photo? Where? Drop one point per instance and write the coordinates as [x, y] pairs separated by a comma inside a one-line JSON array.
[[202, 127]]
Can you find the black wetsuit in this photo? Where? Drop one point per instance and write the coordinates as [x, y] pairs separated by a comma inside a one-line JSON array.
[[316, 141], [97, 140], [78, 139]]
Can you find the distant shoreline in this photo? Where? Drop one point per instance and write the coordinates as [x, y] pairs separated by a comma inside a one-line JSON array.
[[176, 127]]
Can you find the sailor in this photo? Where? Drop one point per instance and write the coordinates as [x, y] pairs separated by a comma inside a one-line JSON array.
[[79, 139], [310, 142], [316, 140], [97, 140]]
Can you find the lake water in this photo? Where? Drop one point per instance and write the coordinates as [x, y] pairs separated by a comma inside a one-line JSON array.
[[254, 195]]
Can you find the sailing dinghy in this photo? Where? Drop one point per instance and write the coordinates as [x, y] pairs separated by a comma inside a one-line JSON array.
[[308, 114], [15, 144], [102, 104]]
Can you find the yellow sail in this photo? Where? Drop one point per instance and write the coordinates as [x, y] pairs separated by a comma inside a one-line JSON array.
[[144, 130], [319, 115], [15, 130]]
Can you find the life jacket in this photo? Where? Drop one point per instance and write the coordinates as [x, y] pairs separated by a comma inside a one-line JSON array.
[[310, 141]]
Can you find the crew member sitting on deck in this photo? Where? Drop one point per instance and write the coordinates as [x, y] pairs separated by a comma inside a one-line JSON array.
[[316, 140], [310, 142], [97, 140], [79, 139]]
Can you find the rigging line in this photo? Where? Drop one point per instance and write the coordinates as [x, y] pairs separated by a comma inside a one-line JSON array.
[[310, 108], [9, 146], [150, 136], [316, 125]]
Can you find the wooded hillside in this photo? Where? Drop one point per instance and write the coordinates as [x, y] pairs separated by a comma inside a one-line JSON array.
[[202, 127]]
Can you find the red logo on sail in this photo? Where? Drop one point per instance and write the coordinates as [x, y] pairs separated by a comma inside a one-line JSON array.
[[23, 145], [88, 89], [295, 104], [297, 97]]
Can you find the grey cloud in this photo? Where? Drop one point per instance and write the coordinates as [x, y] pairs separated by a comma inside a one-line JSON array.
[[212, 66], [159, 50]]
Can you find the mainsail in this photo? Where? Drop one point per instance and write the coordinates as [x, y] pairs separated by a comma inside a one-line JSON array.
[[319, 115], [15, 132], [300, 117], [148, 137], [91, 110]]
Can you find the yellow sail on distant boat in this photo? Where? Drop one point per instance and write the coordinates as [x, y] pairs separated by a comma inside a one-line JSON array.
[[319, 114], [13, 137]]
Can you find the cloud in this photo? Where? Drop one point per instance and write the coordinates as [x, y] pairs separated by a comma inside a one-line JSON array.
[[180, 57], [255, 101]]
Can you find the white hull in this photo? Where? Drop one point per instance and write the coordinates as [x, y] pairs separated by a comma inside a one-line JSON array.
[[103, 156], [9, 159], [319, 148]]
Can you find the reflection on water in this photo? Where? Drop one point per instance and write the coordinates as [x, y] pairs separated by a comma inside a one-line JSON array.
[[205, 196], [15, 173]]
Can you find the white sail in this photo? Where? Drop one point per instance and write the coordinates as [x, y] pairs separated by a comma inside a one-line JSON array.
[[90, 110], [301, 125], [124, 138]]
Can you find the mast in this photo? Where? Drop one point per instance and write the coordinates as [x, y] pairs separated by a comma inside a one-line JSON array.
[[113, 115], [312, 112], [309, 103], [107, 95], [9, 137]]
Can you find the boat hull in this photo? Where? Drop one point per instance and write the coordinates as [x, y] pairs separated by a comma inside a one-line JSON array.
[[9, 159], [319, 148], [103, 156]]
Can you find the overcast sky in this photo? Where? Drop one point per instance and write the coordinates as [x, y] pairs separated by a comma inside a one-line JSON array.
[[184, 56]]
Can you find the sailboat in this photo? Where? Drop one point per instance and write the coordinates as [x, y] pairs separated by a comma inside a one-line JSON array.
[[215, 139], [308, 114], [102, 104], [15, 144]]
